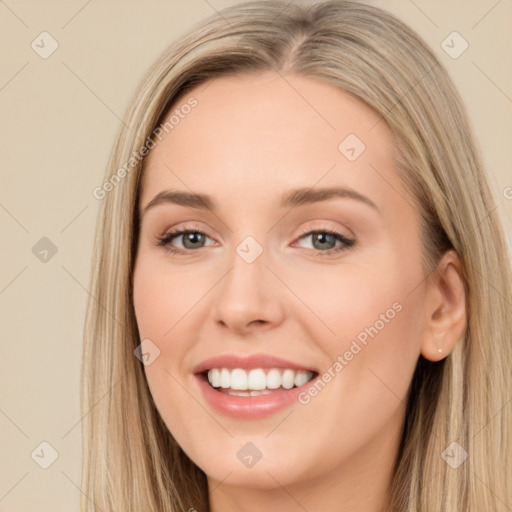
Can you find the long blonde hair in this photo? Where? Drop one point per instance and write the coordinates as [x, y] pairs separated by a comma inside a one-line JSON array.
[[130, 460]]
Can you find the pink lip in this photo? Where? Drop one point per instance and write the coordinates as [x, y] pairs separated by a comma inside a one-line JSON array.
[[249, 407], [248, 362]]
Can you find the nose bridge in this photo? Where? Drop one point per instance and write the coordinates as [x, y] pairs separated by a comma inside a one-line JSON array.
[[247, 293], [247, 278]]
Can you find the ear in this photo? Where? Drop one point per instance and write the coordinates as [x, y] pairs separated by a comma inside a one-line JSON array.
[[445, 311]]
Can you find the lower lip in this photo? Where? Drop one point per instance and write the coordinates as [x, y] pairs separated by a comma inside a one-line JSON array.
[[249, 407]]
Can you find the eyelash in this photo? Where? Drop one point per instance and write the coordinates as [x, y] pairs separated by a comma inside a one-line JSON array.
[[165, 240]]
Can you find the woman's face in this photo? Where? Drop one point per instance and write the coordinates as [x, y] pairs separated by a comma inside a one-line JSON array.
[[250, 282]]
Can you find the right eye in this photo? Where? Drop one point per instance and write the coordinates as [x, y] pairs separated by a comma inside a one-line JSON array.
[[190, 236]]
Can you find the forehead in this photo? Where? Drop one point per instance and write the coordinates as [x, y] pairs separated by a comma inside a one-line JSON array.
[[269, 132]]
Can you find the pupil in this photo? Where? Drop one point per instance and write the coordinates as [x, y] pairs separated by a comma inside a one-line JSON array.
[[191, 236], [322, 237]]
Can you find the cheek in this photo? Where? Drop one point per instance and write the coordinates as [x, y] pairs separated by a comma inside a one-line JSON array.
[[370, 363], [375, 321], [180, 410], [167, 305], [162, 298]]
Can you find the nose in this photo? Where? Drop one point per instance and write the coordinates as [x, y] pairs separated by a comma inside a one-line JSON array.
[[249, 298]]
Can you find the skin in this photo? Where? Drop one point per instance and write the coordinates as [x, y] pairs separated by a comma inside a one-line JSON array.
[[249, 140]]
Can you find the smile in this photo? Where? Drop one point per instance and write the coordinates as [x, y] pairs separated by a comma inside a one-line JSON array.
[[251, 386], [256, 381]]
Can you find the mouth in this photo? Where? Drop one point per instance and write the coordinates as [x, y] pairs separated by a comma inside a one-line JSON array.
[[252, 386], [256, 381]]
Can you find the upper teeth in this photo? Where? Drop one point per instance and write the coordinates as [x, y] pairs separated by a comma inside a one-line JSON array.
[[257, 379]]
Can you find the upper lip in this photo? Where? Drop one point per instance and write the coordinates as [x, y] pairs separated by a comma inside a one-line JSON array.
[[249, 362]]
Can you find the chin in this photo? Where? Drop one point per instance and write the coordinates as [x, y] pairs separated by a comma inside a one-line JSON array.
[[243, 464]]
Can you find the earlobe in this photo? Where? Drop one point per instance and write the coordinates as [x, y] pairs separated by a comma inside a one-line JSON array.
[[445, 309]]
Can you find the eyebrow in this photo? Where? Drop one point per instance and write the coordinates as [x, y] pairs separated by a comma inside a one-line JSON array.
[[292, 198]]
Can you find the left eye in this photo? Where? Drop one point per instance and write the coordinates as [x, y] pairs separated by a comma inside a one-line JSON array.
[[323, 238], [194, 239]]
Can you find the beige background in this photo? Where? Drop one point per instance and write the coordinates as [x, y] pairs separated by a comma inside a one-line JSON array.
[[59, 117]]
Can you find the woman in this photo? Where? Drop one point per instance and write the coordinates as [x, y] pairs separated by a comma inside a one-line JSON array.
[[262, 369]]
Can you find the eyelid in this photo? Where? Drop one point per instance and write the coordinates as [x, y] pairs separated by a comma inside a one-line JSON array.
[[180, 228], [327, 228], [344, 226]]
